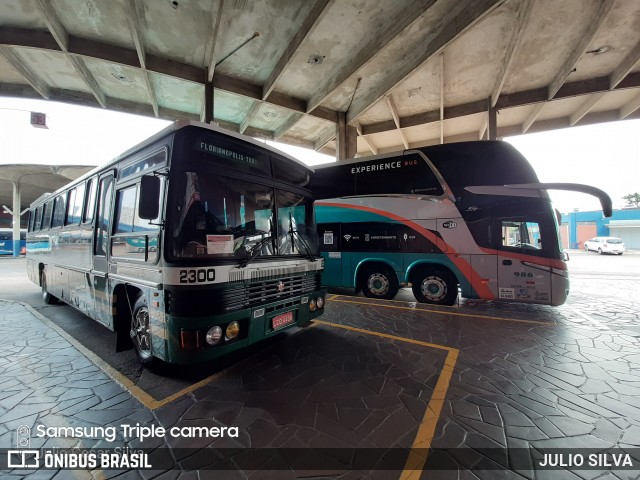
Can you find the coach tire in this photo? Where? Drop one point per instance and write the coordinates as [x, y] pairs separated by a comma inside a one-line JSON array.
[[140, 331], [379, 282], [435, 286], [46, 296]]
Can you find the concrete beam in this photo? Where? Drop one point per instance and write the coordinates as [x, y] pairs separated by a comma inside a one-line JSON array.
[[533, 116], [61, 37], [585, 108], [216, 33], [293, 119], [625, 66], [512, 49], [511, 100], [370, 143], [29, 75], [250, 114], [127, 56], [367, 51], [396, 120], [462, 17], [135, 17], [603, 7], [317, 13], [630, 107]]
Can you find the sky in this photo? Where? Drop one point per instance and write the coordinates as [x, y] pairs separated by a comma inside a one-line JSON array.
[[606, 156]]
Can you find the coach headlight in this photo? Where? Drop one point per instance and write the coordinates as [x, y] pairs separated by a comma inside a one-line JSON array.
[[233, 329], [214, 335], [320, 302], [312, 305]]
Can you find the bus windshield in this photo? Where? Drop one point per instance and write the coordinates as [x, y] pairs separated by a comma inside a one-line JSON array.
[[223, 217]]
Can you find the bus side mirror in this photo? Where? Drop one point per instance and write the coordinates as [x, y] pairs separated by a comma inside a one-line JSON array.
[[149, 205]]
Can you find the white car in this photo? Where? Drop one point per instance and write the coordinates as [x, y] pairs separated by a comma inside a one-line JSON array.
[[605, 245]]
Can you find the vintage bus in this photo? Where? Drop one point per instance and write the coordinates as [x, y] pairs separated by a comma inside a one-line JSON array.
[[7, 243], [195, 243], [470, 216]]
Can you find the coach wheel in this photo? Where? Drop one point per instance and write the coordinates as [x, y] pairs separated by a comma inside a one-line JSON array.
[[46, 296], [140, 331], [437, 287], [379, 282]]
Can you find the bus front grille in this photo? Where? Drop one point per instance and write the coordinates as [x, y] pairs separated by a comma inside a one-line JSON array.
[[201, 301]]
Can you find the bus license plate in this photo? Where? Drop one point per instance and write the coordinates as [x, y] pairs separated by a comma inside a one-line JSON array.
[[282, 320]]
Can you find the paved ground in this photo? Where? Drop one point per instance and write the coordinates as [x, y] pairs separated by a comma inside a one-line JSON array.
[[483, 384]]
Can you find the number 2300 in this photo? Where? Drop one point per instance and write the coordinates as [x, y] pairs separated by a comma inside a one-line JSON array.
[[198, 275]]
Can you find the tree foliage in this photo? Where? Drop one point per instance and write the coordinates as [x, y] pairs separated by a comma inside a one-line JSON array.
[[633, 199]]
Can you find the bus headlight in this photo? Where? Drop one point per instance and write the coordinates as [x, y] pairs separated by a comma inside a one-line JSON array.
[[320, 302], [214, 335], [312, 305], [233, 329]]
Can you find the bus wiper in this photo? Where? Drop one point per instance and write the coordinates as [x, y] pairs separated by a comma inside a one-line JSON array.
[[304, 243], [253, 253]]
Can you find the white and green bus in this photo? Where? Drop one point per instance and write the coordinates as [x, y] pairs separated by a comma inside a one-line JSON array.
[[470, 216], [195, 243]]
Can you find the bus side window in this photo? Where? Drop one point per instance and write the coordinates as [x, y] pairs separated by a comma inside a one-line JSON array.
[[90, 202], [38, 219], [48, 214], [58, 212], [523, 235], [71, 198]]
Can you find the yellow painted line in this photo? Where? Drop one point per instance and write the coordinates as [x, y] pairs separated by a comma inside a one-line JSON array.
[[441, 312], [426, 430], [142, 396]]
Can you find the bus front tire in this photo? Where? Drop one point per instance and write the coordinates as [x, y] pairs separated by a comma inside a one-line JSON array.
[[437, 287], [140, 332], [379, 282], [46, 296]]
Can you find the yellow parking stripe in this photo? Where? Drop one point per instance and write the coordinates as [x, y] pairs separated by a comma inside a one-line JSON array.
[[426, 430], [441, 312]]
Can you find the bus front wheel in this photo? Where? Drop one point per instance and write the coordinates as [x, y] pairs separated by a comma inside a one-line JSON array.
[[140, 331], [379, 282], [437, 287], [46, 296]]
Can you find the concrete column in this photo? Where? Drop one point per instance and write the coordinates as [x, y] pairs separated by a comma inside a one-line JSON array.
[[346, 138], [208, 101], [492, 124], [16, 219]]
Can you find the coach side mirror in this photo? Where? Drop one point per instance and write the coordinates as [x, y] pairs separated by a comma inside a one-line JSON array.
[[149, 205]]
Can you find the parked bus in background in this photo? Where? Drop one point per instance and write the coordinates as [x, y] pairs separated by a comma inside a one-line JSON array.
[[6, 241], [471, 215], [195, 243]]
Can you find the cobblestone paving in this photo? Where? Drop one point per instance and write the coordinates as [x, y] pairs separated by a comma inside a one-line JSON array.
[[526, 376]]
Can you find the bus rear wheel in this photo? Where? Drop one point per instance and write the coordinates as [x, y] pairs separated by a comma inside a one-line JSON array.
[[46, 296], [437, 287], [140, 332], [379, 282]]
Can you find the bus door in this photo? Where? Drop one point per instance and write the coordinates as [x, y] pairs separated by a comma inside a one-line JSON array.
[[329, 236], [521, 276], [102, 232]]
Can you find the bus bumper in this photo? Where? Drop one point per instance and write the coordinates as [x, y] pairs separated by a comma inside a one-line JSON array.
[[186, 341]]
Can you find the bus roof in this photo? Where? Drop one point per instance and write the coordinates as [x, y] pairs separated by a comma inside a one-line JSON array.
[[175, 126], [462, 164]]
